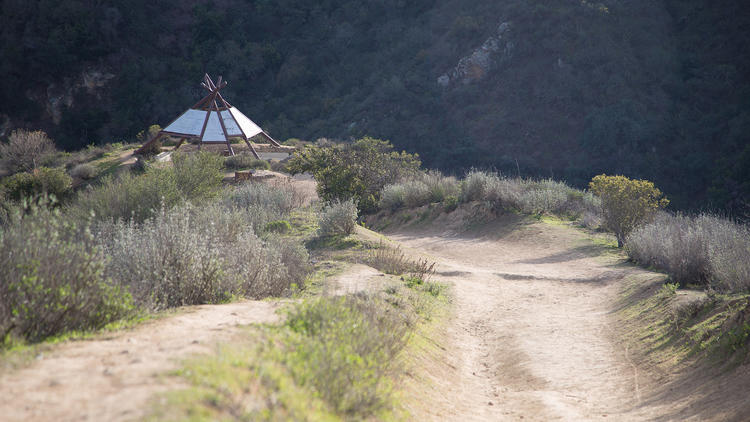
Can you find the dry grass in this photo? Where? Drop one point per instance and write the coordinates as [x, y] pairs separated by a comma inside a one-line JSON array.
[[393, 261], [193, 255], [544, 196], [700, 250], [338, 218]]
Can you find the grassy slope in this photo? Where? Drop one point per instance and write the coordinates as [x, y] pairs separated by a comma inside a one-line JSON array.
[[263, 373], [652, 89]]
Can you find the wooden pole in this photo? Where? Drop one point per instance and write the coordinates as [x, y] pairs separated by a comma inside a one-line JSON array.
[[205, 122], [255, 153], [155, 138], [176, 147], [270, 139]]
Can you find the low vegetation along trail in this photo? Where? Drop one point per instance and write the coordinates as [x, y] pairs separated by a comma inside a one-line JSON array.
[[530, 335]]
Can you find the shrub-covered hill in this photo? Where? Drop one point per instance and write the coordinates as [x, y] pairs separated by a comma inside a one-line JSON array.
[[564, 88]]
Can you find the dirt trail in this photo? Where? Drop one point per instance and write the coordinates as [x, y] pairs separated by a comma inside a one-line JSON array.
[[113, 379], [530, 337]]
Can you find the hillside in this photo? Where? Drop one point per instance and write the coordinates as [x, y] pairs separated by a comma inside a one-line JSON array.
[[166, 290], [567, 88]]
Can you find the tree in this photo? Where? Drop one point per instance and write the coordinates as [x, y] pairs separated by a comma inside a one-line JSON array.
[[25, 150], [357, 171], [626, 203]]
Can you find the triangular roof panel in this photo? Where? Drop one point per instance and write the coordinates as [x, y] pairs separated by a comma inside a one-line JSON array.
[[212, 120], [249, 128], [189, 123], [214, 131]]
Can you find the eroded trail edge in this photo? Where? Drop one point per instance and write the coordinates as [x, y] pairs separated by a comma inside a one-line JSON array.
[[114, 378]]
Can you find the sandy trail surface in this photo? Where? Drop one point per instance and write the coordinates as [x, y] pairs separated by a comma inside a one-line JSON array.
[[113, 378], [530, 337]]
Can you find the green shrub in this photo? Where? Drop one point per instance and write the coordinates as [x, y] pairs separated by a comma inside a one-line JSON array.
[[40, 181], [279, 226], [26, 150], [357, 171], [153, 148], [245, 161], [167, 262], [393, 196], [84, 171], [194, 177], [128, 196], [53, 278], [450, 203], [198, 175], [279, 166], [416, 193], [626, 203], [338, 218], [345, 348], [440, 187]]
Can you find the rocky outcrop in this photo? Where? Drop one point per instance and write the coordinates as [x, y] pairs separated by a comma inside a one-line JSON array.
[[495, 50], [59, 96]]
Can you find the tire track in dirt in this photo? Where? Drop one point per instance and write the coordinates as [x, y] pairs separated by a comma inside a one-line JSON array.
[[530, 337]]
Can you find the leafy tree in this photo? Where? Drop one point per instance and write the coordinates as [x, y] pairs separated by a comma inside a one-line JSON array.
[[356, 171], [626, 203]]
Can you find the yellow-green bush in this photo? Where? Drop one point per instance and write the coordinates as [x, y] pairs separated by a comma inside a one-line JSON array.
[[345, 348], [626, 203], [53, 181], [194, 177]]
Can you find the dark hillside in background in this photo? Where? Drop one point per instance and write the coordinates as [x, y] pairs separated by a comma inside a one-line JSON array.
[[568, 88]]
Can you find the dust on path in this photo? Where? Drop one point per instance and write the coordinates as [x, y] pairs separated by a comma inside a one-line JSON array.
[[113, 378], [530, 335]]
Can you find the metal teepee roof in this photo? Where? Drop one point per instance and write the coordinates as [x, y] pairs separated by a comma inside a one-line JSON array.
[[212, 120]]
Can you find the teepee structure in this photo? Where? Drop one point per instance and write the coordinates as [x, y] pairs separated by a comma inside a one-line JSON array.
[[212, 120]]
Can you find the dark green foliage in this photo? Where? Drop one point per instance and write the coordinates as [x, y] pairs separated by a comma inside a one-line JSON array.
[[152, 149], [356, 171], [43, 180], [53, 278], [653, 90]]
